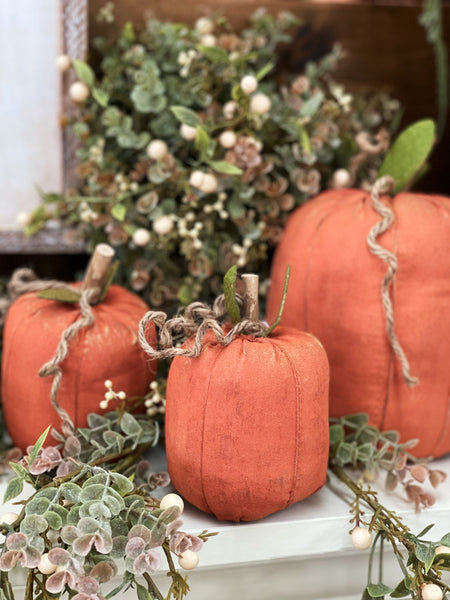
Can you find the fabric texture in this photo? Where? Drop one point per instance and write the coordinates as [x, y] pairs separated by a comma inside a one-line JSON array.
[[107, 350], [335, 293], [247, 424]]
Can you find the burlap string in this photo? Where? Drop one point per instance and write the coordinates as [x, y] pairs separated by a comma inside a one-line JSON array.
[[25, 280], [384, 185], [197, 319]]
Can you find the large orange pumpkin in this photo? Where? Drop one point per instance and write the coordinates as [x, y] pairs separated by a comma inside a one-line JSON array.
[[109, 349], [335, 293], [247, 424]]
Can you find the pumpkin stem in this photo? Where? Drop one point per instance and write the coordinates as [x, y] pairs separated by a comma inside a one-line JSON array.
[[251, 287], [98, 269]]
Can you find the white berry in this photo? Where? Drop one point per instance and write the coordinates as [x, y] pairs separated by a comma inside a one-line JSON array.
[[361, 538], [79, 92], [340, 179], [163, 225], [187, 132], [23, 218], [157, 149], [188, 560], [8, 518], [172, 500], [45, 566], [431, 591], [141, 237], [442, 550], [260, 104], [196, 179], [249, 83], [209, 183], [208, 40], [229, 109], [227, 139], [63, 62], [204, 25]]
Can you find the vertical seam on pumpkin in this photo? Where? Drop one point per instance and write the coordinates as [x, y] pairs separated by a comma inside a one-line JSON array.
[[297, 416], [205, 398], [308, 269]]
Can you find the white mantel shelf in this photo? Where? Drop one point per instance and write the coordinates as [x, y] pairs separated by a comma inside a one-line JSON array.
[[301, 552]]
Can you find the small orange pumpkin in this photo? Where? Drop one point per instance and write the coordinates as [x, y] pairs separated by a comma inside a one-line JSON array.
[[109, 349], [247, 424], [335, 293]]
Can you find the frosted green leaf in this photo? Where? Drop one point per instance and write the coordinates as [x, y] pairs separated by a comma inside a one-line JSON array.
[[312, 105], [13, 489], [91, 492], [100, 96], [37, 506], [408, 154], [84, 72], [336, 433], [129, 425], [122, 484], [185, 115], [33, 524], [20, 471], [222, 166], [402, 589], [425, 553], [53, 519], [377, 590], [113, 504], [98, 510], [214, 53], [38, 445]]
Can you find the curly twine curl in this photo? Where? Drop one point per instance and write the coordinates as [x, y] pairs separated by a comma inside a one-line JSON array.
[[25, 280], [385, 185], [197, 319]]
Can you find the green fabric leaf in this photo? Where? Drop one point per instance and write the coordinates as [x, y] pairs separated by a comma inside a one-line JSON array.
[[37, 446], [19, 470], [100, 96], [312, 105], [13, 489], [425, 531], [222, 166], [409, 152], [445, 541], [142, 592], [344, 454], [229, 290], [84, 72], [69, 296], [336, 434], [377, 590], [202, 141], [264, 70], [185, 115]]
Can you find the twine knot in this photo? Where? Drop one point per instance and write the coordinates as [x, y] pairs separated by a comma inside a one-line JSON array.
[[198, 318]]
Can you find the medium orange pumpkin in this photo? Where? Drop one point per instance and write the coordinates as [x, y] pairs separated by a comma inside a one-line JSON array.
[[247, 424], [335, 293], [109, 349]]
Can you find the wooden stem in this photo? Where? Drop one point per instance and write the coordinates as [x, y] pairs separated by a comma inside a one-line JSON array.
[[251, 288], [98, 266]]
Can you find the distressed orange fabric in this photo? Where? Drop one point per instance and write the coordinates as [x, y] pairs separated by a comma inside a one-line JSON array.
[[247, 424], [108, 350], [335, 293]]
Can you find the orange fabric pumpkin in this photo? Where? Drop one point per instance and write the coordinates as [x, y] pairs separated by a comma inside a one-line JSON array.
[[247, 424], [107, 350], [335, 293]]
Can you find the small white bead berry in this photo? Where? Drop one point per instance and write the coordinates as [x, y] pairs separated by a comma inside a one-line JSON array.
[[8, 518], [209, 183], [229, 109], [187, 132], [110, 396], [431, 591], [204, 25], [442, 550], [172, 500], [260, 104], [121, 395], [63, 62], [208, 40], [104, 404], [163, 225], [45, 566], [23, 218], [227, 139], [340, 179], [249, 83], [361, 538], [79, 92], [141, 237], [188, 560], [157, 149], [108, 384], [196, 179]]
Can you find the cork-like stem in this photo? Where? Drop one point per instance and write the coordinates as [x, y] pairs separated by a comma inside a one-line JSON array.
[[97, 270], [251, 305]]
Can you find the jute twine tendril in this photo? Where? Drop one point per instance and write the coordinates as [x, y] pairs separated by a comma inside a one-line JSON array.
[[197, 319], [25, 280], [385, 185]]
